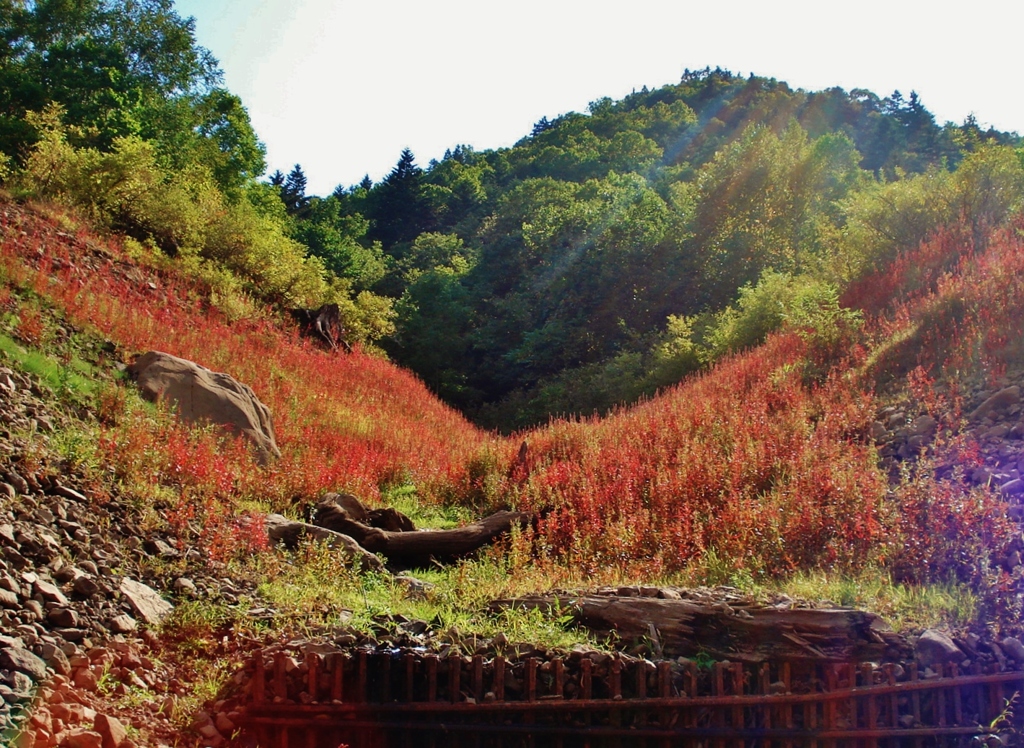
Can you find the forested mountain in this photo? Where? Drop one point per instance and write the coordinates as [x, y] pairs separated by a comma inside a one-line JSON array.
[[598, 259], [605, 255]]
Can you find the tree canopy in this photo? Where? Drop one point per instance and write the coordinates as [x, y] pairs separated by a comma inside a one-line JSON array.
[[604, 255]]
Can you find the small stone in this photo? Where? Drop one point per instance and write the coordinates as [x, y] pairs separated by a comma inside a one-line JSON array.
[[50, 592], [85, 586], [85, 679], [224, 724], [169, 706], [71, 635], [149, 606], [157, 547], [111, 730], [209, 731], [70, 493], [1012, 488], [1013, 647], [123, 624], [997, 432], [56, 659], [923, 425], [83, 739], [90, 567], [9, 599], [185, 586], [415, 589], [934, 647], [21, 684], [63, 618]]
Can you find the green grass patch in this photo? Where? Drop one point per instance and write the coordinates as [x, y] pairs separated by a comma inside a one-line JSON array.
[[903, 606], [314, 590], [73, 379], [425, 516]]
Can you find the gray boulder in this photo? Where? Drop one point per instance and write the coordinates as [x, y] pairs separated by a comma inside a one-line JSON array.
[[199, 394], [936, 648], [23, 661]]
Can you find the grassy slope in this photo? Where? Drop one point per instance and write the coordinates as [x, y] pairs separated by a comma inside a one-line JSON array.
[[343, 422]]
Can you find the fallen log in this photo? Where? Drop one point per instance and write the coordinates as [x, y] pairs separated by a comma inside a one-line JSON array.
[[344, 513], [418, 547], [748, 634], [281, 530]]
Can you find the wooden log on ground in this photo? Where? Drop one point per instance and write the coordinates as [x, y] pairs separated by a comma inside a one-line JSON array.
[[749, 634], [418, 547], [281, 530]]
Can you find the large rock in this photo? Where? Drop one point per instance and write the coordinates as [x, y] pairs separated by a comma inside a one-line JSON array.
[[997, 402], [23, 661], [935, 648], [83, 739], [199, 394], [145, 601]]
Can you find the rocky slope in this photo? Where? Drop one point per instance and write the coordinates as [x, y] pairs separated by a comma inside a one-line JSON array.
[[84, 583]]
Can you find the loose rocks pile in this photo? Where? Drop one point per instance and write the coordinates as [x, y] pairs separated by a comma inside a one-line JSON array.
[[60, 595], [67, 713], [994, 422]]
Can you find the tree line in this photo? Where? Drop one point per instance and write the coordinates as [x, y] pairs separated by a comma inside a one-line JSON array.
[[608, 254], [605, 255]]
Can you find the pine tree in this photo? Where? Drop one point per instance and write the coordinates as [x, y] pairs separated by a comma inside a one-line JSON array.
[[541, 125], [293, 193], [401, 210]]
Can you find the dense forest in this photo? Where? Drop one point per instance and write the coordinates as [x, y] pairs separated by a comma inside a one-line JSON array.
[[607, 254], [604, 256]]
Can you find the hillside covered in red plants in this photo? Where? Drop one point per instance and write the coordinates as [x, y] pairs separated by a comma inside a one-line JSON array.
[[768, 463]]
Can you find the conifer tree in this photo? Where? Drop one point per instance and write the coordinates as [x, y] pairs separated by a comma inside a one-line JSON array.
[[400, 208], [293, 193]]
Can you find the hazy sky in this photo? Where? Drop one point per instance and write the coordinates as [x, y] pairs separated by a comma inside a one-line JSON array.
[[342, 86]]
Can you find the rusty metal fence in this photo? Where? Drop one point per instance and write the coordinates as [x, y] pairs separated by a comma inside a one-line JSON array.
[[377, 700]]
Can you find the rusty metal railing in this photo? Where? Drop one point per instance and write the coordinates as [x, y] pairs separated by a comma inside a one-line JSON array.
[[376, 700]]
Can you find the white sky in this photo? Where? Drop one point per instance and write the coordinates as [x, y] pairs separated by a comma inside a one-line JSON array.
[[342, 86]]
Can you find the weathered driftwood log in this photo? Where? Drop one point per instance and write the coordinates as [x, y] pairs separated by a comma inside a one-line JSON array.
[[344, 513], [392, 534], [281, 530], [750, 634], [419, 546]]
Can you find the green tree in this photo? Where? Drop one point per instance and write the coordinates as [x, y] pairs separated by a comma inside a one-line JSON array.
[[293, 193], [335, 238], [115, 67], [399, 209]]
